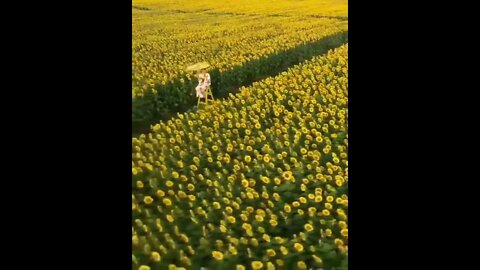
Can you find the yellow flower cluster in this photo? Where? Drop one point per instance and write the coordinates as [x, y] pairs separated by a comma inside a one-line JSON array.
[[257, 181], [164, 42]]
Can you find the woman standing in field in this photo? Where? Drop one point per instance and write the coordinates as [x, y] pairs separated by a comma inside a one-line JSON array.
[[203, 83]]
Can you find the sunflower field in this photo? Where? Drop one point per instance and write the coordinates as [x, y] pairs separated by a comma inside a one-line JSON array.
[[242, 45], [255, 181], [166, 45], [298, 8]]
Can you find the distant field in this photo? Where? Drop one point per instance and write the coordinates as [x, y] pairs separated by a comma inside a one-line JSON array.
[[262, 7], [165, 40]]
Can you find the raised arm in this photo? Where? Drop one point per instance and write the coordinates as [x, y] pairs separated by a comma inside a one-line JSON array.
[[207, 79]]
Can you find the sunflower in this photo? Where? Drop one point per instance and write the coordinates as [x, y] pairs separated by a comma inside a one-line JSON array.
[[231, 219], [266, 237], [148, 200], [265, 180], [287, 175], [155, 256], [338, 242], [217, 255], [283, 250], [301, 265], [160, 193], [167, 201], [277, 181], [298, 247], [256, 265], [270, 266], [246, 226], [273, 222], [182, 194]]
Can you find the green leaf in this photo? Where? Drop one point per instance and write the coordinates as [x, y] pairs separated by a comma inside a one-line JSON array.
[[286, 187]]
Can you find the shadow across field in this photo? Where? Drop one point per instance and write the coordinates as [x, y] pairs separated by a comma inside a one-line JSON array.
[[178, 97], [140, 8]]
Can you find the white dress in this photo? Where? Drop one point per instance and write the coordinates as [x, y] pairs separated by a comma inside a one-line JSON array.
[[203, 83]]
